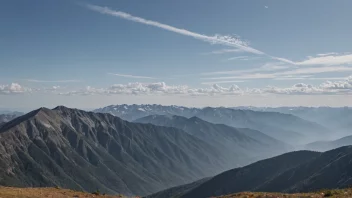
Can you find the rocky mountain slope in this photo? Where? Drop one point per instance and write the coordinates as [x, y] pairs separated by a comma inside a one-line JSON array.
[[241, 145], [247, 178], [300, 171], [82, 150], [285, 127]]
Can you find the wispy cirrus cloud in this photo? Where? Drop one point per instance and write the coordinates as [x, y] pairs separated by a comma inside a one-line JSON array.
[[243, 58], [216, 39], [327, 54], [231, 41], [131, 76], [52, 81], [223, 51], [328, 60], [238, 58], [321, 59], [222, 82], [264, 68], [307, 77], [299, 71]]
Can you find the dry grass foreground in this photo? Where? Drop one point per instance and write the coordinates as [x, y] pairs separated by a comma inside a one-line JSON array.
[[10, 192], [319, 194]]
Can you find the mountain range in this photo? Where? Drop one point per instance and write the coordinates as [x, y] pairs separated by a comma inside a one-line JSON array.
[[87, 151], [172, 151], [328, 145], [284, 127], [240, 145], [300, 171], [337, 119]]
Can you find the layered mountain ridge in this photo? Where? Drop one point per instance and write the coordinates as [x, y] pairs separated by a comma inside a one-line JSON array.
[[88, 151], [300, 171], [328, 145], [241, 144], [169, 151], [285, 127]]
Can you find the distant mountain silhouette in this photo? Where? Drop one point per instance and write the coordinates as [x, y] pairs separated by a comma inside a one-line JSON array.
[[300, 171], [285, 127], [328, 145], [241, 145], [337, 119], [9, 116], [82, 150]]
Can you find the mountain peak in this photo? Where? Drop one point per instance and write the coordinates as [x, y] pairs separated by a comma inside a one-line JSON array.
[[62, 108], [33, 114], [67, 110], [195, 118]]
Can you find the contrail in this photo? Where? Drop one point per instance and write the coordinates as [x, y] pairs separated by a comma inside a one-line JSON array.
[[217, 39]]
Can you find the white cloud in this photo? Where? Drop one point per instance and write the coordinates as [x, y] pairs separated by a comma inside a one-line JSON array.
[[265, 67], [326, 88], [299, 88], [283, 60], [266, 7], [223, 51], [238, 58], [13, 88], [217, 39], [231, 41], [52, 81], [315, 70], [322, 59], [327, 54], [299, 71], [161, 88], [338, 85], [328, 60], [52, 89], [131, 76], [245, 76], [223, 82], [307, 77]]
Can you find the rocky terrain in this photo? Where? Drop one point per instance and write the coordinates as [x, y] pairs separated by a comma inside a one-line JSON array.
[[82, 150], [300, 171]]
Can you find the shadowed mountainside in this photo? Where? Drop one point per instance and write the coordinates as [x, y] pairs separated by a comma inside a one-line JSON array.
[[242, 145], [82, 150], [300, 171], [285, 127]]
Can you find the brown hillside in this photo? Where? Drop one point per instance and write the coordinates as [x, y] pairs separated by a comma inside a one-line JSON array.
[[10, 192], [319, 194]]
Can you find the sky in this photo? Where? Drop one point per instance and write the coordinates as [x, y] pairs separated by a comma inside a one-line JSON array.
[[94, 53]]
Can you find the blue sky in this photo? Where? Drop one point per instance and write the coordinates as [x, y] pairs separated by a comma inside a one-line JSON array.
[[88, 54]]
